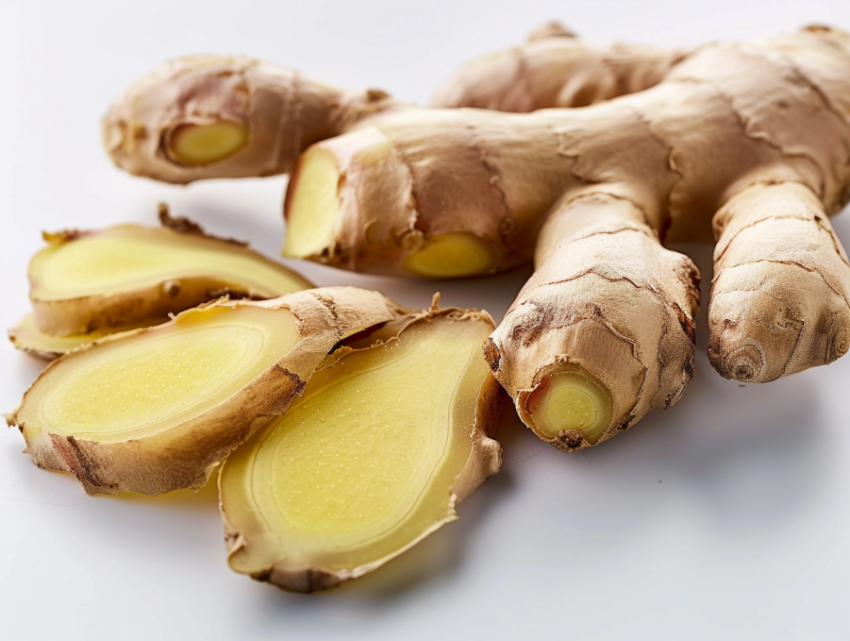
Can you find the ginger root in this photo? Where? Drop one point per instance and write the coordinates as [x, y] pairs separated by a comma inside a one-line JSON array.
[[374, 456], [155, 410], [743, 143]]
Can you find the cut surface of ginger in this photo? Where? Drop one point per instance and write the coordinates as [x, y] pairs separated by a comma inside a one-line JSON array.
[[363, 466], [452, 255], [154, 410], [132, 256], [193, 144], [147, 383], [572, 400], [312, 213], [130, 274], [27, 337]]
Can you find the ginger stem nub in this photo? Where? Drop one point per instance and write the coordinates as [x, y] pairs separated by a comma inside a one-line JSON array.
[[192, 144], [452, 255], [571, 404]]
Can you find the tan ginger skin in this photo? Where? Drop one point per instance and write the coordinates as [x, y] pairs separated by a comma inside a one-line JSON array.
[[745, 143]]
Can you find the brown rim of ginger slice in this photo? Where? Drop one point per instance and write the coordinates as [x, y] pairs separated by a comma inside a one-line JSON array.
[[375, 455], [87, 281], [156, 409], [27, 337]]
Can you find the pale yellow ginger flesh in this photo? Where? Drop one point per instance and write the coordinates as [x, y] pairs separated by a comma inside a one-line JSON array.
[[371, 459], [192, 144], [142, 385], [572, 400], [129, 274], [154, 410], [132, 256], [27, 337], [452, 255], [312, 212]]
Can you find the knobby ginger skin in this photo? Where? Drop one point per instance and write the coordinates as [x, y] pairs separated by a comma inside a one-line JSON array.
[[745, 143], [210, 116], [555, 69]]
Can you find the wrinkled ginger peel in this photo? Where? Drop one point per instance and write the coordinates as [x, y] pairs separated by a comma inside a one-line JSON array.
[[374, 457]]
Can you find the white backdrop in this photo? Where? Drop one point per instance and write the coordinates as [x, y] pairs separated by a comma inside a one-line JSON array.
[[727, 516]]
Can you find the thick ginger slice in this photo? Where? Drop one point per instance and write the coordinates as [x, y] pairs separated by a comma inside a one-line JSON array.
[[85, 282], [746, 144], [375, 455], [27, 337], [154, 410]]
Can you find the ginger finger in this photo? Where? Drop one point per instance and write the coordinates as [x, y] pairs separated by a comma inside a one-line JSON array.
[[455, 193], [208, 116], [780, 301], [604, 330], [555, 69]]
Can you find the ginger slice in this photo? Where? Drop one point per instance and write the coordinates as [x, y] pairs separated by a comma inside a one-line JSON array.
[[97, 280], [156, 409], [374, 457], [29, 338]]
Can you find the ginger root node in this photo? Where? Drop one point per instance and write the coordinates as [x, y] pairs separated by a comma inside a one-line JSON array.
[[745, 363]]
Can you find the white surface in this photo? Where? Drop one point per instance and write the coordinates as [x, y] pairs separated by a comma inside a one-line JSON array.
[[726, 517]]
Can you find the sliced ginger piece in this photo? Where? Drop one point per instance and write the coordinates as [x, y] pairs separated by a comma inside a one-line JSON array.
[[156, 409], [98, 280], [29, 338], [374, 457]]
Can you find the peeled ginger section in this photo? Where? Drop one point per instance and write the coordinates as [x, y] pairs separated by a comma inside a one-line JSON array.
[[88, 281], [156, 409], [369, 461]]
